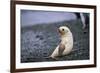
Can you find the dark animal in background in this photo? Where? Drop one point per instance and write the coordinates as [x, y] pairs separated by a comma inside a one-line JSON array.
[[84, 17]]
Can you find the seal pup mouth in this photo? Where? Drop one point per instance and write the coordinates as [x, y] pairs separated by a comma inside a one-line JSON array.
[[60, 31]]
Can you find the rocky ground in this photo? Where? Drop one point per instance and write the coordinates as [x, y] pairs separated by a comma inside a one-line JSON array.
[[40, 40]]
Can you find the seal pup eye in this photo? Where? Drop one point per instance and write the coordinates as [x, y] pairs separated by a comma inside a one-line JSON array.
[[62, 29]]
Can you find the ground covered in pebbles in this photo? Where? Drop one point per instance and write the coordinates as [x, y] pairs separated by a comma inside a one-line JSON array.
[[40, 40]]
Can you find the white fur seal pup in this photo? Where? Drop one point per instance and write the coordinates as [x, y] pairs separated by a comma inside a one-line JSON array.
[[66, 44]]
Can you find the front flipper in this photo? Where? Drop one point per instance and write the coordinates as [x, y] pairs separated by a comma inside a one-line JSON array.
[[61, 49]]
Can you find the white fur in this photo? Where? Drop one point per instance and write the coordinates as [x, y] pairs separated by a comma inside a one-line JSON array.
[[67, 40], [83, 20]]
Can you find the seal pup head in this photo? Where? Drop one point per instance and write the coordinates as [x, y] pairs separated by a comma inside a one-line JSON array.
[[63, 30]]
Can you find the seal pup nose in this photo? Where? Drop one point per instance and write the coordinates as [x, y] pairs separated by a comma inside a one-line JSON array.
[[59, 30]]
